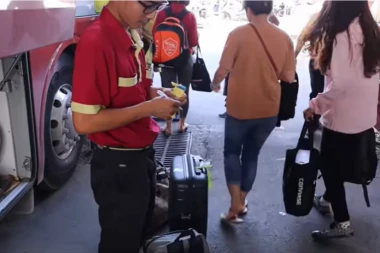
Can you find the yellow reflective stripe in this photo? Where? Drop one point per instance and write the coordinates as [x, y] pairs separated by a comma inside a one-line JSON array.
[[149, 56], [137, 52], [149, 64], [139, 44], [85, 109], [127, 82], [149, 73]]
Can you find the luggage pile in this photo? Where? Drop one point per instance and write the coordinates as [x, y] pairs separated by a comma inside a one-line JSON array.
[[185, 191], [160, 215]]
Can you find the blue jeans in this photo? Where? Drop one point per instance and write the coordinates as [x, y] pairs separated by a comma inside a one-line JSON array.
[[243, 140]]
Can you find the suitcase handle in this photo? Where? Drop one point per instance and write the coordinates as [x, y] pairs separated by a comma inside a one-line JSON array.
[[199, 171], [186, 233]]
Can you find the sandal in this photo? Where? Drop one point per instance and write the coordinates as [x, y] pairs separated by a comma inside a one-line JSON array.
[[166, 132], [245, 211], [183, 129], [231, 219]]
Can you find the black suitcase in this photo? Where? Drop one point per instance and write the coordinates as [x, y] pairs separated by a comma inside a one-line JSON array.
[[188, 195]]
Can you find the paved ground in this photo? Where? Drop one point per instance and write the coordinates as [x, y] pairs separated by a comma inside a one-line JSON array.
[[66, 222]]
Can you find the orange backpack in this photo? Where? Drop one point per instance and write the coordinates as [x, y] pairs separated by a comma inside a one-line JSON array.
[[170, 40]]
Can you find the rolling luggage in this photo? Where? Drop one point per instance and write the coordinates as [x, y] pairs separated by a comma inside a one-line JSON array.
[[188, 195]]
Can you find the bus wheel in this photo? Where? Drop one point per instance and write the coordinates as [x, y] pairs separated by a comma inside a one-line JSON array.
[[62, 143]]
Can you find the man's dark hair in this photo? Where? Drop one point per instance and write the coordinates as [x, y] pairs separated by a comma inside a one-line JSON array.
[[258, 7]]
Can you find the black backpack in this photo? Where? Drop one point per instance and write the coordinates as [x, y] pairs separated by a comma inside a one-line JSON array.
[[362, 169]]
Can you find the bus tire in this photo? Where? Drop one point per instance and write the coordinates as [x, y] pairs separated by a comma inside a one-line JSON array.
[[62, 144]]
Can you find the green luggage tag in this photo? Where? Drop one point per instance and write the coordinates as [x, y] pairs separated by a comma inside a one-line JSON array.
[[207, 166]]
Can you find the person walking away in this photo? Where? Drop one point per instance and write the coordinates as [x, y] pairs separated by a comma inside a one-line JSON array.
[[253, 97], [347, 52], [179, 74], [272, 19], [317, 79], [112, 103], [317, 84]]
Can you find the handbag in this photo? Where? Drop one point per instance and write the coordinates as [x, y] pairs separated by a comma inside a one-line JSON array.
[[289, 91], [288, 102], [200, 80], [300, 174]]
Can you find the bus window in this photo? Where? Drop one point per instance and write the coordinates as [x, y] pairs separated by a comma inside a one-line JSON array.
[[85, 8]]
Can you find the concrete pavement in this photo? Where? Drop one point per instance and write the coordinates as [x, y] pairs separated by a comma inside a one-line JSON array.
[[66, 221]]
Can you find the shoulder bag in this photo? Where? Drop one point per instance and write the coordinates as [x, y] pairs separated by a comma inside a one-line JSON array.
[[289, 91]]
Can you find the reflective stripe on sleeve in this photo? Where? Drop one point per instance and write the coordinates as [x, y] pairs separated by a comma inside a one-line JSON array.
[[85, 109]]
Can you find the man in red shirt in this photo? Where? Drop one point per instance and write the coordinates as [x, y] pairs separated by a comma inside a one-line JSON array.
[[113, 102]]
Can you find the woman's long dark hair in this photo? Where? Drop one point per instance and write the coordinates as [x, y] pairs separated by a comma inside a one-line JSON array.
[[335, 17]]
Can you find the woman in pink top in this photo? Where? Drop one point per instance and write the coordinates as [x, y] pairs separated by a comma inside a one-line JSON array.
[[345, 45]]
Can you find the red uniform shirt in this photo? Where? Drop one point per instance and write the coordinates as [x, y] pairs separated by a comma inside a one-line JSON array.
[[110, 72], [188, 21]]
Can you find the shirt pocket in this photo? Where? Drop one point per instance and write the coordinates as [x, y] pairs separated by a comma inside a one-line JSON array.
[[125, 82]]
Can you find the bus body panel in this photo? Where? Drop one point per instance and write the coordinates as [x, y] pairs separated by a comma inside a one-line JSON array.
[[43, 66], [26, 25]]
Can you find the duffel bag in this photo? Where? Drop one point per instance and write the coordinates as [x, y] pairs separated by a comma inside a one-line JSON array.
[[185, 241]]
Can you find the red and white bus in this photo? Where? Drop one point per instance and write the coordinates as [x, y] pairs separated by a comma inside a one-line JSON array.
[[38, 143]]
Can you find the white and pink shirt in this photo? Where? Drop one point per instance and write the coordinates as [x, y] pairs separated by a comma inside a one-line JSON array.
[[349, 101]]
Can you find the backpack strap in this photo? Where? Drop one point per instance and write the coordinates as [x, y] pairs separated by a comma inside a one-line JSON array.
[[169, 13], [265, 49], [365, 192], [182, 14]]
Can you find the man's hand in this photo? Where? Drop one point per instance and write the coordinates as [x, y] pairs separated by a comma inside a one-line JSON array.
[[169, 93], [215, 87], [164, 108], [308, 114]]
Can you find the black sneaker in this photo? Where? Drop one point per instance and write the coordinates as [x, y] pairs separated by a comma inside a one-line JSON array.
[[321, 206], [336, 231], [223, 115]]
